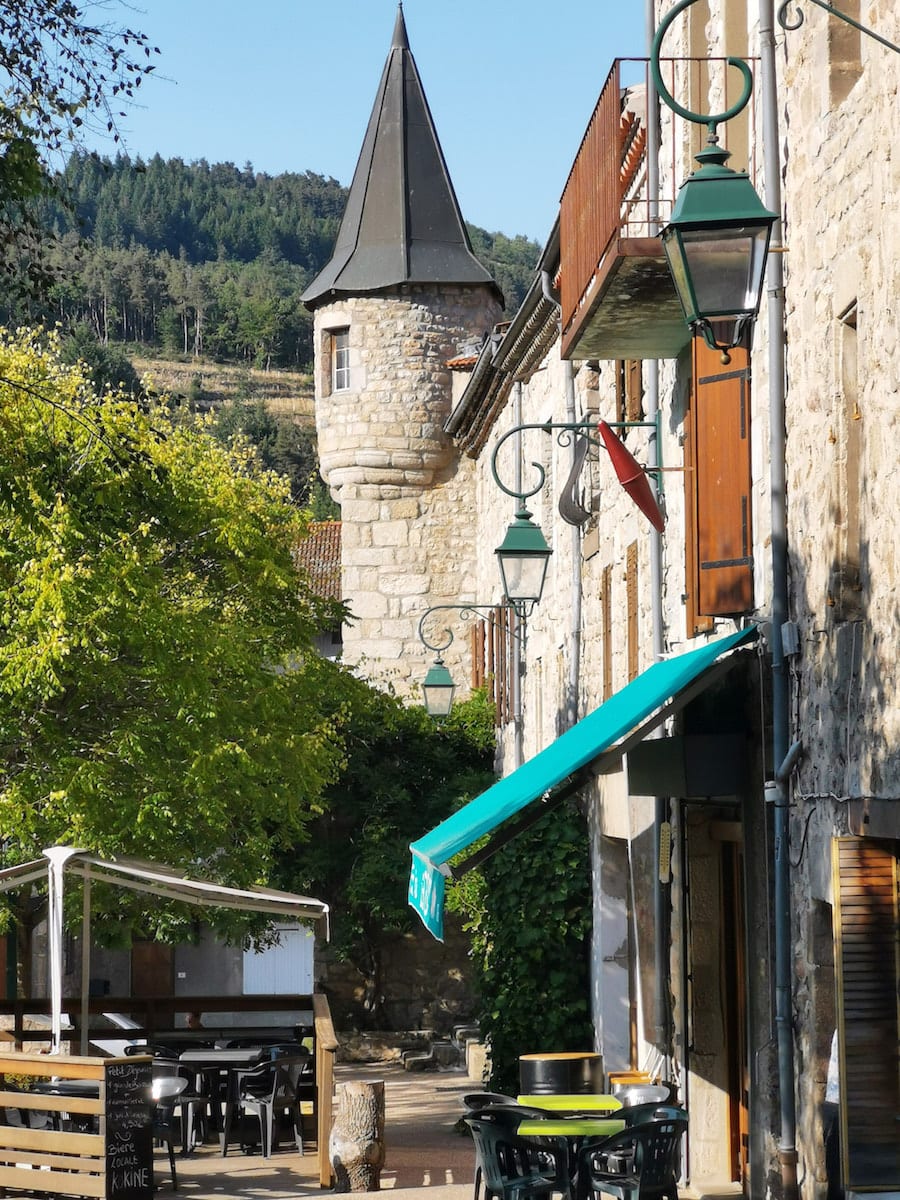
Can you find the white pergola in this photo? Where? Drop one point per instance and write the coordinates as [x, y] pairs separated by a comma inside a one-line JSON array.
[[153, 878]]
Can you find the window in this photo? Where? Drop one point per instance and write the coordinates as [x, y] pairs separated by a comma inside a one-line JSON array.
[[340, 360]]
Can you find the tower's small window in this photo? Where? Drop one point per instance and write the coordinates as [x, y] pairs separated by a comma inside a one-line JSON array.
[[340, 360]]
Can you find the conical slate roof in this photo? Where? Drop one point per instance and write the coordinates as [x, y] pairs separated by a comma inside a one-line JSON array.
[[402, 222]]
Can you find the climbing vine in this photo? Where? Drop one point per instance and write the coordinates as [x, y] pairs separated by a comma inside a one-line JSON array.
[[528, 912]]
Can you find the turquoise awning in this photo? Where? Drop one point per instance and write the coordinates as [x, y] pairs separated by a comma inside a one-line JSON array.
[[577, 747]]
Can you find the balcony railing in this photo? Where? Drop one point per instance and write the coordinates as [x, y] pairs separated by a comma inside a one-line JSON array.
[[607, 211]]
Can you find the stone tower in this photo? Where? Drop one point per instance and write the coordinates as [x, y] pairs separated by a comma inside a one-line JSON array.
[[402, 295]]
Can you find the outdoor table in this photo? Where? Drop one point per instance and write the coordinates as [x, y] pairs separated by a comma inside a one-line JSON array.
[[576, 1102], [74, 1089], [211, 1065]]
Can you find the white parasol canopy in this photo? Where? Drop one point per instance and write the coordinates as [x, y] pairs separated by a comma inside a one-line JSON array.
[[155, 878]]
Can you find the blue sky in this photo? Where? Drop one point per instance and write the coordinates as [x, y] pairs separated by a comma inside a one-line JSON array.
[[289, 84]]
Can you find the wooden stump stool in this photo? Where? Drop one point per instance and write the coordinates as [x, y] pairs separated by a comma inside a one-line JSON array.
[[356, 1146]]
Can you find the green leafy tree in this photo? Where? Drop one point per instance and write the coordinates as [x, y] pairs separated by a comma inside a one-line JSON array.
[[403, 774], [159, 691]]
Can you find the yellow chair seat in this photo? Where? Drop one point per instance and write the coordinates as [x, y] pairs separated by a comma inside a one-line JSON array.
[[576, 1127], [572, 1103]]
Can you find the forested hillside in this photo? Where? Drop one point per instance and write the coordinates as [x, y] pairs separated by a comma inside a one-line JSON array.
[[205, 259]]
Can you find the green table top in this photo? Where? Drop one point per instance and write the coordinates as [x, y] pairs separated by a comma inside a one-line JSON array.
[[576, 1127], [571, 1103]]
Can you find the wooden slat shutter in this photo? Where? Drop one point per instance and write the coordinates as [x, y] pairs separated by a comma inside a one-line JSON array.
[[720, 439], [631, 606], [606, 630], [867, 970]]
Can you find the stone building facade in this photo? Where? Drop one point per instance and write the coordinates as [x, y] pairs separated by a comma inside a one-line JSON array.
[[745, 849]]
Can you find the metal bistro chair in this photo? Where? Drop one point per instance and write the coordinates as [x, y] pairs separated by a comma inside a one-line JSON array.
[[514, 1168], [267, 1091], [640, 1163]]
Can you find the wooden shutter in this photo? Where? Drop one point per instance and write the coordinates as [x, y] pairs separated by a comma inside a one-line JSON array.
[[606, 630], [694, 622], [867, 972], [720, 480], [631, 603]]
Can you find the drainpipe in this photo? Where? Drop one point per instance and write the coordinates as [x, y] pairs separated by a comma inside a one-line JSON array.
[[779, 790], [662, 903]]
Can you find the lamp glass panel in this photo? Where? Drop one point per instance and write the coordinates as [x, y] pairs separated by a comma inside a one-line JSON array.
[[523, 576], [438, 698], [725, 268]]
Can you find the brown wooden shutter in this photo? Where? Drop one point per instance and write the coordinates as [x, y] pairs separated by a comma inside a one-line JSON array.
[[606, 630], [720, 438], [694, 622], [631, 601], [867, 971]]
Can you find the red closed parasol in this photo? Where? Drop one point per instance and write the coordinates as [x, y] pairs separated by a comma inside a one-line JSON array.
[[632, 477]]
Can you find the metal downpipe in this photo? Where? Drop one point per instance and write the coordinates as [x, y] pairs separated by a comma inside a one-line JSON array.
[[662, 903], [787, 1149]]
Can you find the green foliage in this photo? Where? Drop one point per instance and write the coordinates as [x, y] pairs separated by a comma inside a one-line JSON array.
[[107, 366], [528, 910], [203, 259], [159, 691], [282, 444], [403, 774]]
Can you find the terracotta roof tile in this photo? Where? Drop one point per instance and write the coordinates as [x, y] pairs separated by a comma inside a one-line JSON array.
[[319, 555]]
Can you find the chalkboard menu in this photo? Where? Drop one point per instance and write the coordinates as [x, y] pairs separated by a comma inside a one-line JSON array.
[[129, 1130]]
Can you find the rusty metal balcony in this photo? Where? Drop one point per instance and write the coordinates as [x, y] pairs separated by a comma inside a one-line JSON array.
[[618, 300]]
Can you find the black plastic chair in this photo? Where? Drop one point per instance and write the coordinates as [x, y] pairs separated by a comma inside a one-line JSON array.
[[640, 1163], [514, 1168], [474, 1101], [166, 1091], [268, 1091]]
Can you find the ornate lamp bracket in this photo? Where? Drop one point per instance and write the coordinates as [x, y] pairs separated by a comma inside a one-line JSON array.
[[567, 432], [466, 612], [787, 23], [710, 120]]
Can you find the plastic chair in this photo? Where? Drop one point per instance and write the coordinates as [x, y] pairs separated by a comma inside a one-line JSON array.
[[477, 1100], [266, 1091], [640, 1163], [643, 1093], [514, 1168], [193, 1105], [166, 1090]]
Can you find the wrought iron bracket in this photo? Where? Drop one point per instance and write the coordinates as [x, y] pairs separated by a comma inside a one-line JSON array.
[[786, 23], [566, 432], [710, 120], [466, 612]]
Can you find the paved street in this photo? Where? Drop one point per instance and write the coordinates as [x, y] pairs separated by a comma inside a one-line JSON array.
[[423, 1149]]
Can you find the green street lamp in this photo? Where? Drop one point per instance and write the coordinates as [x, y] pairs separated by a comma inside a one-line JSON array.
[[523, 556], [438, 688], [716, 244], [717, 239]]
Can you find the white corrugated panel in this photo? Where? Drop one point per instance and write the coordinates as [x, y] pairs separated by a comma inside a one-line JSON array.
[[284, 969]]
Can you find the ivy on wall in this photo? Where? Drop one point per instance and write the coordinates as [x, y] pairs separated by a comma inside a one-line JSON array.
[[528, 913]]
